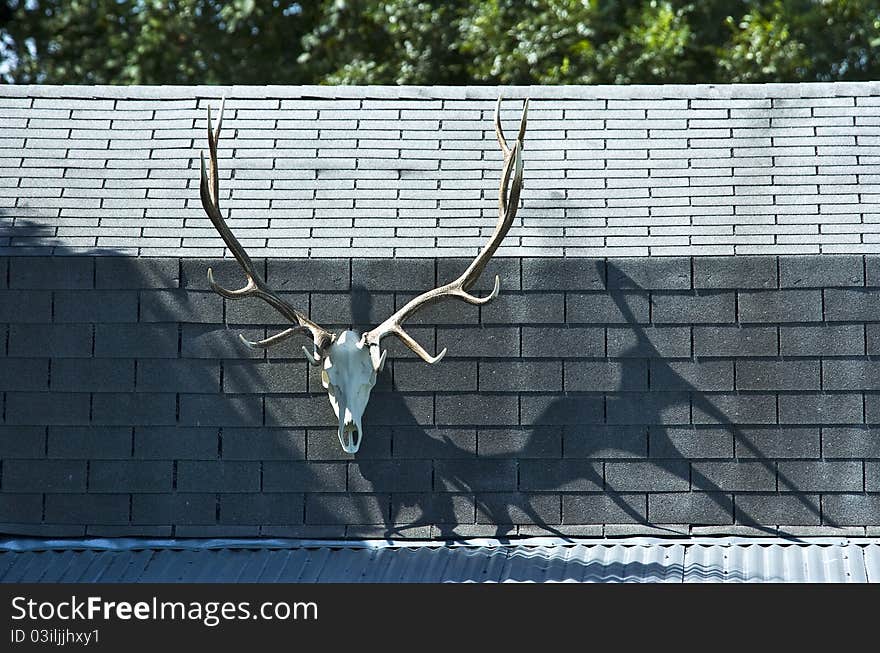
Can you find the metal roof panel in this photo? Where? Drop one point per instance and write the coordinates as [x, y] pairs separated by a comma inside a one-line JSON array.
[[871, 553], [530, 561]]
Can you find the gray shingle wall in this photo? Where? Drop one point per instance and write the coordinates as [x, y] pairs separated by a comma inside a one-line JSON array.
[[594, 396], [384, 172]]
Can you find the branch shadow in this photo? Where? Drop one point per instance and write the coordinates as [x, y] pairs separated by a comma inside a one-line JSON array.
[[699, 401], [455, 493], [138, 414]]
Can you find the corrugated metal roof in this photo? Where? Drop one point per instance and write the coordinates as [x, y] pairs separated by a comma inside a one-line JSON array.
[[636, 560]]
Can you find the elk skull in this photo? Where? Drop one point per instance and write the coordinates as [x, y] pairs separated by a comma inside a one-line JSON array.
[[350, 361], [349, 374]]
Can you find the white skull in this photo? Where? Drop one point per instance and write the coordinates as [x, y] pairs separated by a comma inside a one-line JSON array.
[[349, 374]]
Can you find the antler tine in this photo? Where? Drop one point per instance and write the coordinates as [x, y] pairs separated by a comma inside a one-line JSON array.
[[314, 357], [212, 148], [499, 132], [209, 190], [507, 207]]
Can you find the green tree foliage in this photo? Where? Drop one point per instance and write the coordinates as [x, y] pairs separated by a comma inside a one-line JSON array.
[[437, 41], [803, 40], [393, 42], [154, 41]]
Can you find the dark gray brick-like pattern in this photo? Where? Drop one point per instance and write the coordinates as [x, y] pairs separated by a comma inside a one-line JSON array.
[[710, 395], [381, 172]]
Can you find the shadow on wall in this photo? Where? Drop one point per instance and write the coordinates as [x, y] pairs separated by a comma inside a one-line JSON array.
[[131, 408], [127, 403], [459, 492], [22, 236], [26, 235]]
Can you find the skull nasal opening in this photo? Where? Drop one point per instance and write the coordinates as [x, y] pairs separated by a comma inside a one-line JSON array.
[[350, 436]]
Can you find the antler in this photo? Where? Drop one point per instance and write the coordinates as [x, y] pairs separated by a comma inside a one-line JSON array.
[[507, 206], [256, 285]]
